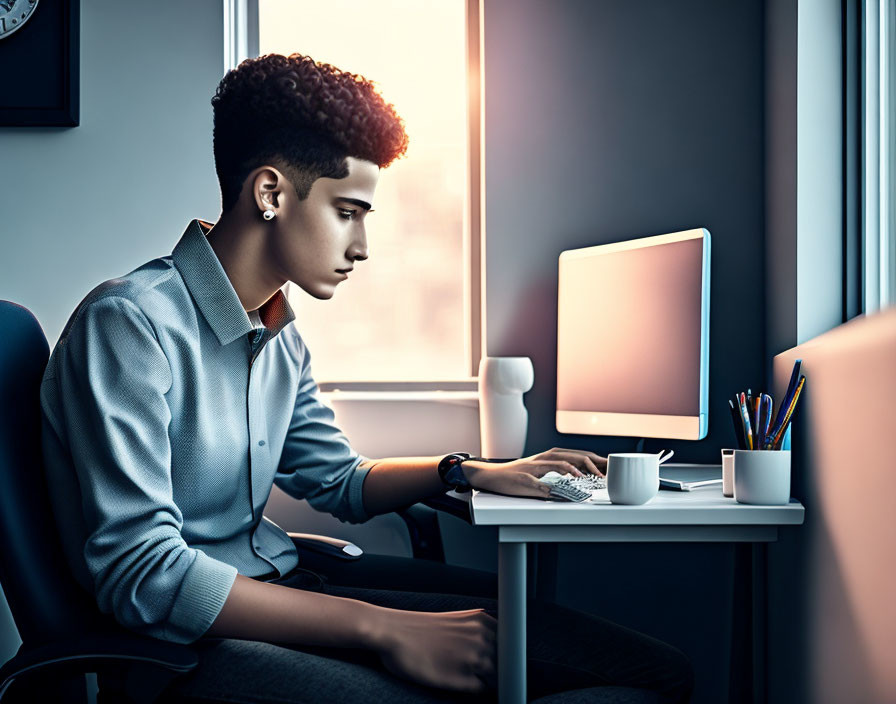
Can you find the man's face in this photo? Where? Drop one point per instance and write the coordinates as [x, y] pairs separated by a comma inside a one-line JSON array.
[[325, 232]]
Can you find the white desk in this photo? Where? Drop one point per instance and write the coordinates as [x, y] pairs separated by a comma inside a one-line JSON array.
[[702, 515]]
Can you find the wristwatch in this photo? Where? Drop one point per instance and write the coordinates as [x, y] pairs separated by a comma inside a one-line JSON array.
[[451, 470], [452, 474]]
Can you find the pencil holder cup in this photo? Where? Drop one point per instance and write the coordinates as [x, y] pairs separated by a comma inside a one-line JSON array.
[[762, 477]]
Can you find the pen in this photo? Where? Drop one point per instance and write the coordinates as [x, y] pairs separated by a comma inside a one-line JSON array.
[[767, 405], [757, 433], [789, 414], [745, 416], [738, 426], [785, 401]]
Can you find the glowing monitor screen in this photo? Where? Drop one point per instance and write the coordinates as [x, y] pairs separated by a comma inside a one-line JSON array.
[[633, 337]]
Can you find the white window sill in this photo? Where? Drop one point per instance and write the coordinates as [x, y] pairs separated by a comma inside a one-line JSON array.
[[461, 398], [470, 384]]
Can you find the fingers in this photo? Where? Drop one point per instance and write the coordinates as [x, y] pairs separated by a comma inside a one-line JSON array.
[[488, 673], [563, 467], [532, 486], [538, 468], [481, 668], [589, 462]]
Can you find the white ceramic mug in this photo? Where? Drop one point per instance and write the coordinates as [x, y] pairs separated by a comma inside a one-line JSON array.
[[727, 472], [632, 477], [762, 476]]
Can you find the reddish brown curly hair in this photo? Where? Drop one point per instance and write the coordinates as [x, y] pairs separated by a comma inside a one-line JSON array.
[[301, 116]]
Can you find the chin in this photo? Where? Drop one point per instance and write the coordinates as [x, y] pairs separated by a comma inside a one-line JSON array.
[[322, 292]]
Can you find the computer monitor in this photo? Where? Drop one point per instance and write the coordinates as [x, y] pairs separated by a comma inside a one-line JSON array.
[[633, 337]]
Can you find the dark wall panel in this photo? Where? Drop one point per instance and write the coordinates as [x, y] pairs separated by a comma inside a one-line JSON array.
[[608, 121]]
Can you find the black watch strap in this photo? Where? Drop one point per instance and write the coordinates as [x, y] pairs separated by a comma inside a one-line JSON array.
[[451, 472]]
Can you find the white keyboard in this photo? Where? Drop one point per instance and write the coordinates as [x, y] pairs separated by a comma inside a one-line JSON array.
[[589, 482]]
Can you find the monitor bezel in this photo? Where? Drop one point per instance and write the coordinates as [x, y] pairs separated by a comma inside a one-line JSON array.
[[643, 424]]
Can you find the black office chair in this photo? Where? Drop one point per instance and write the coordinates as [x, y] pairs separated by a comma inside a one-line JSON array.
[[63, 632]]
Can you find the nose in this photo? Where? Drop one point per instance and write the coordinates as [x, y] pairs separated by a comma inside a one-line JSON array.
[[357, 251]]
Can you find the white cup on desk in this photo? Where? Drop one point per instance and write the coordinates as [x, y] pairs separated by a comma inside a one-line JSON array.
[[728, 472], [633, 478]]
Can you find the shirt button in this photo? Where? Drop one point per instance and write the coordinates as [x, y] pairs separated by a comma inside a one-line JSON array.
[[261, 443]]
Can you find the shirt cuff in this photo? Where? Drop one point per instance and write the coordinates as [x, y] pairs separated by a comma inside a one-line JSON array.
[[355, 493], [201, 597]]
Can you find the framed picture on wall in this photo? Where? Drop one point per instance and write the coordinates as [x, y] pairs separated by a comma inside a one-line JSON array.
[[39, 52]]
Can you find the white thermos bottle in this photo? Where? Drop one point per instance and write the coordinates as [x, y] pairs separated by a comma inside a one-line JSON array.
[[503, 419]]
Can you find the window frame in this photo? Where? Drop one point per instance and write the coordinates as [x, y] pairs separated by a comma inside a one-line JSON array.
[[241, 40], [877, 233]]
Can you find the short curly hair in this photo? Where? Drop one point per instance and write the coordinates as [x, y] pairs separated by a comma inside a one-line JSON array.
[[301, 116]]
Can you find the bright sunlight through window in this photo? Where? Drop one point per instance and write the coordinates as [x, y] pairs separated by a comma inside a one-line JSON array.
[[402, 314]]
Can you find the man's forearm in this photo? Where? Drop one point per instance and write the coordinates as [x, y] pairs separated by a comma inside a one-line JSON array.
[[271, 612], [394, 482]]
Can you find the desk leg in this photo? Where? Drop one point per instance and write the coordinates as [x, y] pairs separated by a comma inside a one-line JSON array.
[[512, 623], [760, 621]]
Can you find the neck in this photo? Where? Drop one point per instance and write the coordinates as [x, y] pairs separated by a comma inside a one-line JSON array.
[[239, 245]]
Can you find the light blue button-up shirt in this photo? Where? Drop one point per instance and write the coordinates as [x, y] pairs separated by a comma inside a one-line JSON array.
[[167, 417]]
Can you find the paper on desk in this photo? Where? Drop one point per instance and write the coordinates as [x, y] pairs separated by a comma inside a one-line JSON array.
[[598, 496]]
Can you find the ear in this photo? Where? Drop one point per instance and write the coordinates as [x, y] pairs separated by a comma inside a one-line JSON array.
[[267, 186]]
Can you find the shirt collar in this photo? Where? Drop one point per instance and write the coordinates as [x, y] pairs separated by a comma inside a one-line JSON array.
[[214, 294]]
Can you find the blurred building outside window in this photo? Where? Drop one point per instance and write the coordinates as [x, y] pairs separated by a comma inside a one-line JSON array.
[[404, 314]]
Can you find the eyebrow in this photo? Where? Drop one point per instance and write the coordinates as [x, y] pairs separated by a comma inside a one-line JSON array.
[[355, 201]]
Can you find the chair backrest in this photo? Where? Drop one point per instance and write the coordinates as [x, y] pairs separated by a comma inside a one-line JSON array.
[[46, 601]]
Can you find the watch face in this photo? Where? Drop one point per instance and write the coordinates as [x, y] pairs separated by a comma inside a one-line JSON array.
[[13, 14]]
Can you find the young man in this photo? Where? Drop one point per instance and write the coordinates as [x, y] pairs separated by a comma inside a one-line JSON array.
[[179, 393]]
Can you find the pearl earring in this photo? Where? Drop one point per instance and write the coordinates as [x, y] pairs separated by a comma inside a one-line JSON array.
[[269, 214]]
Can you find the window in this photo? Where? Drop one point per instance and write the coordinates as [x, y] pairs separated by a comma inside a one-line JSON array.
[[879, 155], [408, 313]]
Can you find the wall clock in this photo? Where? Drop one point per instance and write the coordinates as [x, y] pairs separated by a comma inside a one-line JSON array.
[[39, 51], [14, 14]]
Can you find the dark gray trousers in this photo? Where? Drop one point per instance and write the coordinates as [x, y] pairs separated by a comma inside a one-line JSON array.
[[572, 656]]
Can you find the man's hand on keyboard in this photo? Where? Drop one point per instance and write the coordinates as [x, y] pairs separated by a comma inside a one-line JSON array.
[[521, 477]]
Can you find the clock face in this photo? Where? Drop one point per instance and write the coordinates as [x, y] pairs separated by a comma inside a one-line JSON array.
[[13, 14]]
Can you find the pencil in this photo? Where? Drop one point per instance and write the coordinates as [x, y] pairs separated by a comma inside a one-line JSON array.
[[789, 414], [766, 419], [745, 416], [757, 402], [738, 426], [788, 395]]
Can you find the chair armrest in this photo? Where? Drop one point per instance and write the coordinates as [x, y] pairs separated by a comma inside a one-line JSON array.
[[451, 503], [422, 523], [334, 547], [96, 653]]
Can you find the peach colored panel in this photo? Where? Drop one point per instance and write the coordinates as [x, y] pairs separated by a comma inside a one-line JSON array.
[[851, 425], [629, 331]]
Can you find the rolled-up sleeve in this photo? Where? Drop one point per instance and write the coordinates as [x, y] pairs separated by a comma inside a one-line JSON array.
[[112, 378], [318, 463]]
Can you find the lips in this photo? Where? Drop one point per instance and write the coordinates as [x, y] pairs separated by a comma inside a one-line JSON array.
[[345, 271]]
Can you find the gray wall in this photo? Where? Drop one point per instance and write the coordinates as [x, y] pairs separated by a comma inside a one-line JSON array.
[[84, 204], [607, 121]]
